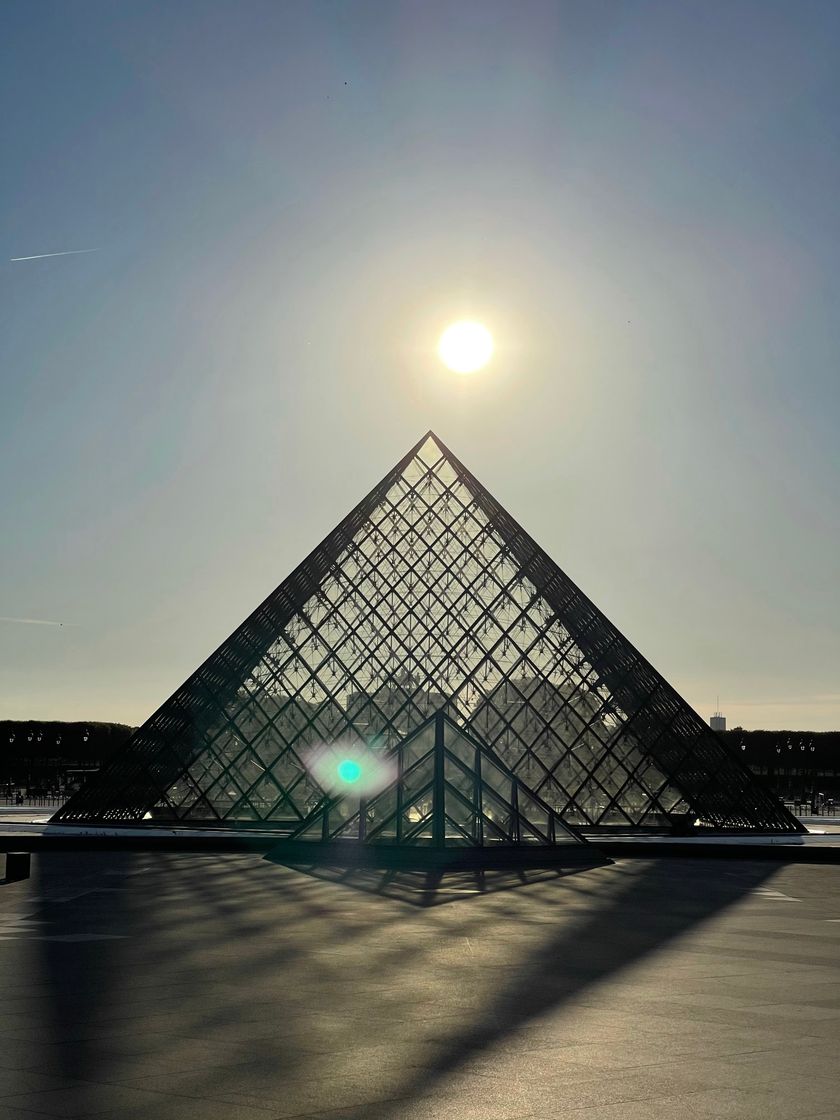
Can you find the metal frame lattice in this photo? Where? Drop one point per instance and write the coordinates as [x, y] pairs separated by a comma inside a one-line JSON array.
[[429, 596], [446, 789]]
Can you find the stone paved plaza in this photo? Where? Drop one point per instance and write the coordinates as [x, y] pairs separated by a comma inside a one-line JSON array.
[[180, 986]]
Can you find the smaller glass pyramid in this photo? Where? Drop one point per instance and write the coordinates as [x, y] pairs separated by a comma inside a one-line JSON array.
[[450, 792]]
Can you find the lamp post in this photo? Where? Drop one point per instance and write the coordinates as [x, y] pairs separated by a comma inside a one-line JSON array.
[[9, 773]]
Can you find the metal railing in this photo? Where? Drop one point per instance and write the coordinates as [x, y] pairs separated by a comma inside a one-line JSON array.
[[38, 801], [808, 809]]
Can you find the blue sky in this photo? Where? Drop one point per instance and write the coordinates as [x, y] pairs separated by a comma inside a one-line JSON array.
[[290, 202]]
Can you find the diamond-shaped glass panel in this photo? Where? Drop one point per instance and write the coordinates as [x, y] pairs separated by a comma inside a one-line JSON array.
[[428, 597]]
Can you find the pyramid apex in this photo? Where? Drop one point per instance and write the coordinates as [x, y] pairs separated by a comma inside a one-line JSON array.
[[436, 440], [423, 440]]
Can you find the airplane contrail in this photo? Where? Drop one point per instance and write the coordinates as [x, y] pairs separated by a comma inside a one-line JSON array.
[[31, 621], [66, 253]]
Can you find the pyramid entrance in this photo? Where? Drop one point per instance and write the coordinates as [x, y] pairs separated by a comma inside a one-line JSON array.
[[445, 796], [428, 597]]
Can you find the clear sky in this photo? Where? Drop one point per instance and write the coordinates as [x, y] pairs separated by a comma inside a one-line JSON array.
[[291, 200]]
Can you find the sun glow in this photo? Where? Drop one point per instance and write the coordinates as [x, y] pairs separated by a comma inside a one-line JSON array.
[[465, 347]]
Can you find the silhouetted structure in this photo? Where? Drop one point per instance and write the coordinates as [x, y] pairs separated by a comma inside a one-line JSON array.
[[799, 766], [45, 758], [429, 594], [448, 800]]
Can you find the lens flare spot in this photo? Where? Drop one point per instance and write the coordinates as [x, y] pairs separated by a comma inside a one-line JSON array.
[[349, 770]]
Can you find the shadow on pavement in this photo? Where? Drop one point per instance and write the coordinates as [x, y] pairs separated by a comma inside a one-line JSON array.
[[429, 888], [177, 979], [637, 923]]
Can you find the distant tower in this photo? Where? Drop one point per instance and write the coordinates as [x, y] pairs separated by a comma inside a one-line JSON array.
[[718, 720]]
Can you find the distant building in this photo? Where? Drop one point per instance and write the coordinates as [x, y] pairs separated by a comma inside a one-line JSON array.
[[718, 722], [394, 706]]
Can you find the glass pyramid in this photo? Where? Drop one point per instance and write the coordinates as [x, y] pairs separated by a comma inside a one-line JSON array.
[[447, 789], [428, 596]]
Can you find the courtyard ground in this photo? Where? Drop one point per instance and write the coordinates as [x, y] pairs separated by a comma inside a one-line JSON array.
[[184, 986]]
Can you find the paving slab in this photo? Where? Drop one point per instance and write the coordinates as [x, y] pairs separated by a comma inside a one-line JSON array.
[[146, 986]]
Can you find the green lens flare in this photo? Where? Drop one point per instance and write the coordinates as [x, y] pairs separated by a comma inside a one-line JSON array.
[[349, 771]]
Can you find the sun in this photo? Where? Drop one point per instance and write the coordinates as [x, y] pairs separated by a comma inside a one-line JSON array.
[[465, 347]]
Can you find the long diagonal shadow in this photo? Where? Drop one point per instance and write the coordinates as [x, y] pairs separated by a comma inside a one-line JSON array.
[[212, 928], [80, 947], [640, 922], [636, 910]]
